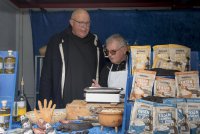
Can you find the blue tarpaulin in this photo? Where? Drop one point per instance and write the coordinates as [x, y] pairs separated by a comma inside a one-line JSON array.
[[143, 27]]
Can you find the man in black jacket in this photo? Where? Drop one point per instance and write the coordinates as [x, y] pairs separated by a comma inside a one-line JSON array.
[[73, 58]]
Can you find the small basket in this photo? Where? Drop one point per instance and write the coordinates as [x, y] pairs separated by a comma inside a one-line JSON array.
[[59, 114]]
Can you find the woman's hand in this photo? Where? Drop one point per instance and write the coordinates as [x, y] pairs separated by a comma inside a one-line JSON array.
[[95, 83]]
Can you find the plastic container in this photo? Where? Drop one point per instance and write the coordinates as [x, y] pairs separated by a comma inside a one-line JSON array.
[[9, 63], [4, 115]]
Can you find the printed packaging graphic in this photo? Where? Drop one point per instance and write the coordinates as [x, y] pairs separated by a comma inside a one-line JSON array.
[[140, 57], [142, 84], [181, 114], [164, 87], [164, 116], [194, 114], [141, 120], [187, 84], [172, 57]]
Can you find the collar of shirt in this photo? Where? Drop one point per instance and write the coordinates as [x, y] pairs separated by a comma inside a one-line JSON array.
[[119, 67]]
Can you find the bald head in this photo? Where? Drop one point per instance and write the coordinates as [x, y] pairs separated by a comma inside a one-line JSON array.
[[80, 22], [79, 12]]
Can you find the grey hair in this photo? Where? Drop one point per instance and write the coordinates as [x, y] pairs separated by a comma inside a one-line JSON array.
[[118, 38]]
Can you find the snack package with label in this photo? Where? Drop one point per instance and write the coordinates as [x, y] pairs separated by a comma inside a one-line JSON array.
[[142, 84], [182, 114], [164, 116], [26, 125], [194, 115], [181, 56], [164, 87], [187, 84], [141, 120], [141, 57], [164, 64], [161, 51], [172, 57]]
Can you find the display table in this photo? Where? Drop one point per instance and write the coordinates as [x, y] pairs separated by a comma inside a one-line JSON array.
[[94, 130]]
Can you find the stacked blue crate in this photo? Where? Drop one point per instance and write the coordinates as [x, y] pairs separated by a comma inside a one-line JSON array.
[[129, 104], [8, 84]]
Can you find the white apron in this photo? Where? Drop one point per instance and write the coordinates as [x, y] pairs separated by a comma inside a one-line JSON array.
[[118, 78]]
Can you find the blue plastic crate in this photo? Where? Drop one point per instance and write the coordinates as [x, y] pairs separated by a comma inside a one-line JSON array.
[[8, 84]]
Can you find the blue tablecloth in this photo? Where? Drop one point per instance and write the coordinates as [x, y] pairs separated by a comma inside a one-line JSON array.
[[94, 130]]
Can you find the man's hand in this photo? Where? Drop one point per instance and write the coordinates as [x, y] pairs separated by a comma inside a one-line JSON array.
[[95, 83], [45, 112]]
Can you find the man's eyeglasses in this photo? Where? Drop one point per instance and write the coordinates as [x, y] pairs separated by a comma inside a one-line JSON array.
[[112, 52], [81, 23]]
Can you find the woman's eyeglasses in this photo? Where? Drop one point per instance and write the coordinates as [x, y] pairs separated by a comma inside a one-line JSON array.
[[112, 52]]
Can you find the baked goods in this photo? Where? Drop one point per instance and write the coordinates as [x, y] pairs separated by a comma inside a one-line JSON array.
[[77, 108], [81, 109]]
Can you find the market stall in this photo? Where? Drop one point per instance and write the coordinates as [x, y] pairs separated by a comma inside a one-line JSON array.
[[165, 98]]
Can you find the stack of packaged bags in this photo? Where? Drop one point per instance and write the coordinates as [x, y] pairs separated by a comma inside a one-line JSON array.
[[166, 96], [155, 115]]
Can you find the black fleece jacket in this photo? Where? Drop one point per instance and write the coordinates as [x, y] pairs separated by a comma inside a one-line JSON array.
[[80, 67]]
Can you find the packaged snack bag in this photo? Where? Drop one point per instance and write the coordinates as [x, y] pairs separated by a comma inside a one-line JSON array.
[[187, 84], [164, 87], [140, 57], [141, 120], [142, 84]]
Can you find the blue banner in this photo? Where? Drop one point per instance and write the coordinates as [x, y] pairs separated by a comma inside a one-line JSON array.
[[145, 27]]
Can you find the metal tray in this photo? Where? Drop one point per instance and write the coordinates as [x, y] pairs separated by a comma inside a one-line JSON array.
[[102, 90]]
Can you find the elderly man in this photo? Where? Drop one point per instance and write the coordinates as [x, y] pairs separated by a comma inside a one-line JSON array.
[[115, 72], [72, 59]]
